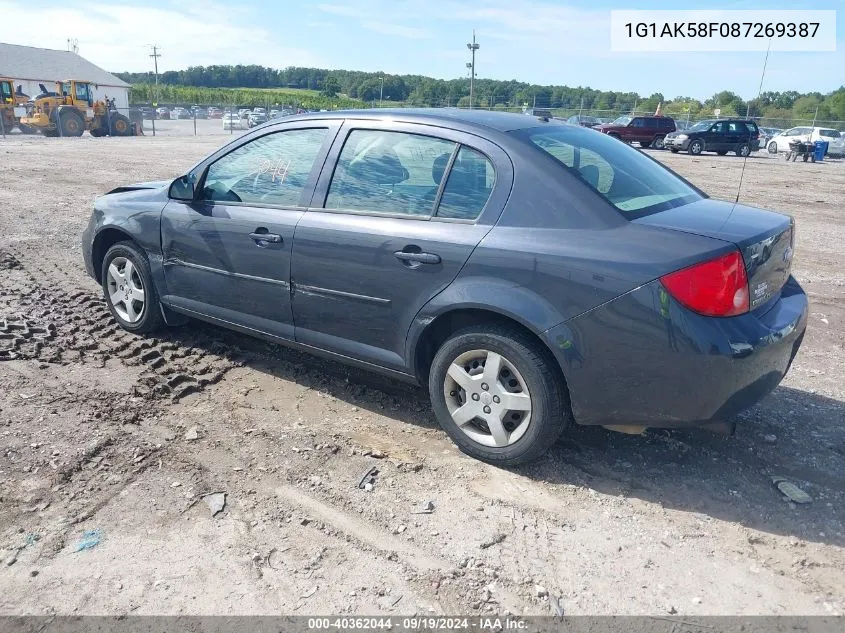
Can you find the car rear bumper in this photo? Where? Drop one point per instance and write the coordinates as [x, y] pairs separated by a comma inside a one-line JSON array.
[[626, 363]]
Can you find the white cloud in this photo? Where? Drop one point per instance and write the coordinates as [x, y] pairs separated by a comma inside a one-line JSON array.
[[391, 17], [119, 37]]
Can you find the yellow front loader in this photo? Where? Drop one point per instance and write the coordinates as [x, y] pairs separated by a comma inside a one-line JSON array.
[[11, 107], [71, 110]]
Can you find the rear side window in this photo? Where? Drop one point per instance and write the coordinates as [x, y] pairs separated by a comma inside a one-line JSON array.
[[389, 172], [829, 133], [667, 124], [633, 183], [468, 186]]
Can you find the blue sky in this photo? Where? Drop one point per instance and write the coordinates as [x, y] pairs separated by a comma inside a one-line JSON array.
[[540, 41]]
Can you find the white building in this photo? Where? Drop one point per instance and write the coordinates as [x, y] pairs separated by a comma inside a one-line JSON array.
[[29, 66]]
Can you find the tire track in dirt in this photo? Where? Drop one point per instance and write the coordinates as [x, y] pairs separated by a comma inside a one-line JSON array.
[[39, 323]]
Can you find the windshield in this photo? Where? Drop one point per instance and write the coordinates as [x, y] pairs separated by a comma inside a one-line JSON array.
[[829, 133], [626, 178], [623, 120], [701, 126]]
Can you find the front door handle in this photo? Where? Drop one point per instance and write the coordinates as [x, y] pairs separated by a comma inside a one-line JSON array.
[[422, 258], [266, 237]]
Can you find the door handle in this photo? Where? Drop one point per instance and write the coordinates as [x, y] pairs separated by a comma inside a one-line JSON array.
[[422, 258], [266, 237]]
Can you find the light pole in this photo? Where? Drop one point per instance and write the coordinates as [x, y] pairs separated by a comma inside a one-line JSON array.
[[473, 46], [381, 92]]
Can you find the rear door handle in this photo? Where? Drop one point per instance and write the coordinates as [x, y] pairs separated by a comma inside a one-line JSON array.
[[422, 258], [266, 237]]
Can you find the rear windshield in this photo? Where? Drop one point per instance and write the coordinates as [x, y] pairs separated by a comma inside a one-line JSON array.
[[633, 183]]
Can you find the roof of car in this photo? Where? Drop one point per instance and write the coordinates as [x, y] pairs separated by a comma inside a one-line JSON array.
[[500, 121]]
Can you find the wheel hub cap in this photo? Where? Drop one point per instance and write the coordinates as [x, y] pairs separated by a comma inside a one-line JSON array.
[[487, 398]]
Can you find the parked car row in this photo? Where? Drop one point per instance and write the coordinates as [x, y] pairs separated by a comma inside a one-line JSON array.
[[245, 118]]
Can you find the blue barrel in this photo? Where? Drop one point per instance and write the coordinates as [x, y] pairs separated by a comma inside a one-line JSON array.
[[820, 149]]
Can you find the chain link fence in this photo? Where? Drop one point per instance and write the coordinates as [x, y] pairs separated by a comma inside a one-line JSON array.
[[169, 120]]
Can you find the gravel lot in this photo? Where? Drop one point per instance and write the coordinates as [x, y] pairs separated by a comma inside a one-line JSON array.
[[118, 436]]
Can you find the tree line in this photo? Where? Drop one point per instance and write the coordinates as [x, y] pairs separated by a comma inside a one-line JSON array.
[[418, 90]]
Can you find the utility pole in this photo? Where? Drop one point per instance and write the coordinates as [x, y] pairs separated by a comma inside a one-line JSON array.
[[381, 92], [473, 46], [155, 57]]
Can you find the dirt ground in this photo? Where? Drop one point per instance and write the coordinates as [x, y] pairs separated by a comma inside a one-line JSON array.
[[108, 443]]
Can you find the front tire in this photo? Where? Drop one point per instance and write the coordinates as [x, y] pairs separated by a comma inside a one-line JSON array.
[[129, 290], [119, 125], [696, 147], [497, 394], [773, 148]]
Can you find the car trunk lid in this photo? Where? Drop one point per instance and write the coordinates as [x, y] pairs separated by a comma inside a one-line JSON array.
[[765, 239]]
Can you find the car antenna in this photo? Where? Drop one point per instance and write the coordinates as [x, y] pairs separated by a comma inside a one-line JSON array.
[[759, 93]]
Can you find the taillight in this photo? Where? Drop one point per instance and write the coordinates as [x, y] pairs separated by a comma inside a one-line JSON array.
[[717, 287]]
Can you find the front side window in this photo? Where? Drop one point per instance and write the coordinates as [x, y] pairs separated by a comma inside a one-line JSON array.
[[633, 183], [389, 172], [271, 169], [638, 122], [6, 90]]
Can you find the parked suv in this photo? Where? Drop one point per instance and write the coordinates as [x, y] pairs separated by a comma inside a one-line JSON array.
[[716, 135], [648, 131]]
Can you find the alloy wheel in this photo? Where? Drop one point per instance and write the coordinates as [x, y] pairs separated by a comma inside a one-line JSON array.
[[126, 289], [487, 398]]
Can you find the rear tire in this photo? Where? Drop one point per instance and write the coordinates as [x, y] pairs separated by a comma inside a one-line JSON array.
[[657, 143], [743, 150], [526, 377], [70, 122], [129, 290]]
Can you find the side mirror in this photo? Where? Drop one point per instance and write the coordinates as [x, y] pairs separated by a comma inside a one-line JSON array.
[[182, 188]]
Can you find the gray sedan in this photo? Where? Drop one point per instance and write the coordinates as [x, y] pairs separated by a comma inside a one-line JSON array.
[[532, 274]]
